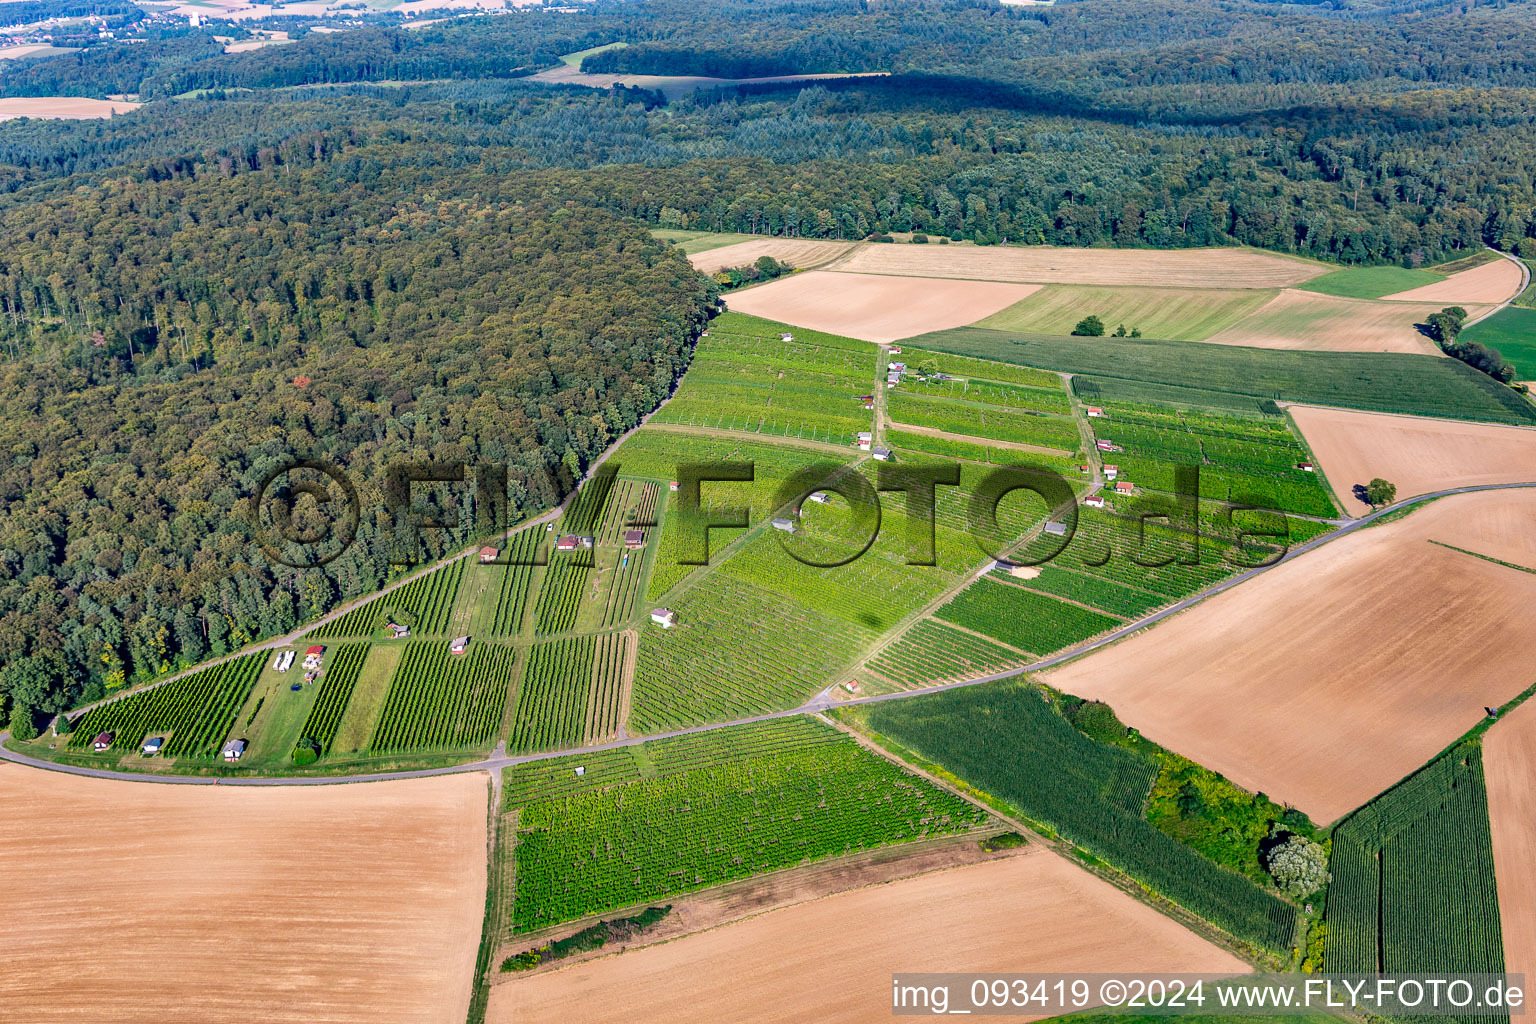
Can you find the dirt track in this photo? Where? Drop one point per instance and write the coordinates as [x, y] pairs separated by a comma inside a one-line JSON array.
[[1509, 759], [832, 959], [876, 308], [1327, 679], [199, 903], [1495, 281], [1418, 455]]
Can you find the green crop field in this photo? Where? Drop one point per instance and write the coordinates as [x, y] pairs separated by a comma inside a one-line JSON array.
[[194, 713], [932, 652], [1007, 740], [590, 851], [1022, 618], [550, 710], [1378, 381], [438, 699], [1413, 879], [1370, 282], [978, 369], [342, 665], [927, 444], [691, 241], [427, 599], [984, 420], [1189, 314], [1513, 332], [1105, 595]]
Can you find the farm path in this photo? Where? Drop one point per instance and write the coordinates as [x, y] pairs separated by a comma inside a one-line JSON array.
[[820, 703]]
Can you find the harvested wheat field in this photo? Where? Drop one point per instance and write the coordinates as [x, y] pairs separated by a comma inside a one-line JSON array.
[[316, 903], [1418, 455], [1047, 264], [1309, 320], [1509, 762], [1178, 314], [875, 308], [800, 253], [832, 959], [1495, 281], [1326, 679], [61, 108]]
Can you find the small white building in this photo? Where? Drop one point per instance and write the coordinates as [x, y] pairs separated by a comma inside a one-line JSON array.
[[666, 618], [460, 645], [1305, 467], [821, 497], [1056, 529], [1124, 487], [234, 750], [152, 745], [1110, 472], [1095, 411], [787, 525], [882, 454], [786, 337], [1094, 501], [672, 485]]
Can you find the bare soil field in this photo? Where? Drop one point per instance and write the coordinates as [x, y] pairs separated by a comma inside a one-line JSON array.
[[1418, 455], [831, 959], [212, 903], [1496, 281], [875, 308], [65, 108], [1045, 264], [1308, 320], [1509, 762], [1327, 679], [800, 253]]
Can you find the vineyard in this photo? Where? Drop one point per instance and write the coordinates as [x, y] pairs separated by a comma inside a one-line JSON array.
[[439, 699], [632, 503], [1007, 740], [927, 444], [743, 377], [737, 650], [522, 549], [588, 852], [1111, 598], [1022, 618], [979, 419], [551, 705], [605, 703], [932, 652], [561, 593], [964, 366], [1413, 879], [194, 713], [427, 601], [343, 663]]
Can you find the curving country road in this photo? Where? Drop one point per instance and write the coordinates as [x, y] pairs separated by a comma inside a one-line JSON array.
[[821, 702]]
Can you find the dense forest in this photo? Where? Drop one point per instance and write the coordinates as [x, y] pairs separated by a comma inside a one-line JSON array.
[[453, 259]]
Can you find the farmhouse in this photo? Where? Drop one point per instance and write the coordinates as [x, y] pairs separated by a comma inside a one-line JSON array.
[[882, 454], [1094, 501], [666, 618], [488, 554], [102, 741], [1111, 471], [1124, 487], [787, 525], [566, 543], [1095, 411], [460, 645], [634, 539], [152, 745], [234, 750]]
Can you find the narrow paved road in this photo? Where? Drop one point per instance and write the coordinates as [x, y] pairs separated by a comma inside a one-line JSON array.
[[821, 702]]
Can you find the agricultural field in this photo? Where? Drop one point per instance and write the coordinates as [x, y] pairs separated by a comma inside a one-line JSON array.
[[1185, 314], [342, 665], [1024, 619], [745, 378], [799, 800], [515, 583], [1512, 332], [194, 713], [913, 408], [570, 693], [1297, 685], [914, 446], [1413, 877], [1418, 455], [1380, 382], [1116, 268], [800, 253], [1306, 320], [1509, 764], [935, 652], [441, 700], [1493, 281], [1369, 282], [425, 602], [694, 242], [962, 919], [1007, 740], [873, 307], [321, 903], [62, 108]]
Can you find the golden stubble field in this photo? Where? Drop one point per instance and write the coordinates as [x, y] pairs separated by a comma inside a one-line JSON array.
[[800, 253], [1419, 455], [1509, 763], [1326, 679], [66, 108], [831, 959], [1494, 281], [875, 308], [1297, 319], [142, 901]]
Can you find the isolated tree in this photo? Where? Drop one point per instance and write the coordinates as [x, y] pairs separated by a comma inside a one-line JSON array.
[[22, 726], [1380, 492], [1089, 327], [1135, 332], [1298, 865], [1120, 331], [928, 367]]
